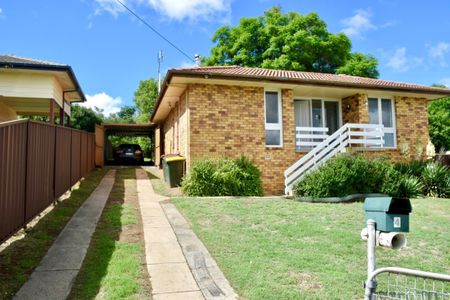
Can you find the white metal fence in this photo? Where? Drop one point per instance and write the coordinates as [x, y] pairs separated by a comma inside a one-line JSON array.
[[401, 283]]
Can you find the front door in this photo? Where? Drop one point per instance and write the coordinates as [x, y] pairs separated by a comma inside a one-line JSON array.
[[317, 113]]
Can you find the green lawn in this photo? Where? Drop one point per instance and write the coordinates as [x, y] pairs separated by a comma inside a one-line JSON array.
[[19, 259], [282, 249], [114, 267], [159, 185]]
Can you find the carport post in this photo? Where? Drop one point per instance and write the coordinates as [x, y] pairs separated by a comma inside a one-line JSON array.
[[52, 111], [61, 116]]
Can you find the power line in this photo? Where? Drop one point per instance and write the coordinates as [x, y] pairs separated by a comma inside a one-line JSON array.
[[154, 30]]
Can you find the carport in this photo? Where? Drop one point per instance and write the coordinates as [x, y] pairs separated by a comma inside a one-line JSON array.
[[103, 149]]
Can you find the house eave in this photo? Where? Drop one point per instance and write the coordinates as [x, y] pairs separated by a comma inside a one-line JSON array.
[[48, 67]]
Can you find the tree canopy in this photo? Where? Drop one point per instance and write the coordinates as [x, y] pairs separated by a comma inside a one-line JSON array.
[[145, 98], [289, 41], [439, 122], [85, 118]]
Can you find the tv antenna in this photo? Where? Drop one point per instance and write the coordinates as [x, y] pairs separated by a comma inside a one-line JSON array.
[[160, 59]]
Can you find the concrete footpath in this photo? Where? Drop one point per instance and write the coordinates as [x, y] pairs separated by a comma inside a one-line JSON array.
[[178, 263], [55, 275]]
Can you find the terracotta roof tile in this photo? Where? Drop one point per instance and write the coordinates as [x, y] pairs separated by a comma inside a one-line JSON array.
[[323, 78]]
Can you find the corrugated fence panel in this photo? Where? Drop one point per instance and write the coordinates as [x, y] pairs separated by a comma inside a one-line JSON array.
[[38, 163], [76, 156], [13, 146], [91, 152], [40, 168], [84, 158], [62, 161]]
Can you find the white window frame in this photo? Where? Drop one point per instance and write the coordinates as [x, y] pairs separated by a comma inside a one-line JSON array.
[[274, 126], [322, 99], [392, 129]]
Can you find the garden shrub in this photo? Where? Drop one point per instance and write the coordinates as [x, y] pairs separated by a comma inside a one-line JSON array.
[[223, 177], [435, 178], [349, 174], [413, 168]]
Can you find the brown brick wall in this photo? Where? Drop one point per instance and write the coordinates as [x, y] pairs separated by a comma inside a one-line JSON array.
[[176, 128], [219, 120], [354, 109], [229, 121]]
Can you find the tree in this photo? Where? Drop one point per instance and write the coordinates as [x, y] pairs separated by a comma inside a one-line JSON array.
[[360, 64], [439, 122], [145, 98], [127, 114], [85, 118], [288, 41]]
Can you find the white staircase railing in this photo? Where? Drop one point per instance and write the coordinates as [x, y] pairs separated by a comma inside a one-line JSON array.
[[308, 137], [364, 135]]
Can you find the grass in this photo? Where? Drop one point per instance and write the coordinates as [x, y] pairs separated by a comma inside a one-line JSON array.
[[114, 267], [18, 260], [282, 249], [159, 186]]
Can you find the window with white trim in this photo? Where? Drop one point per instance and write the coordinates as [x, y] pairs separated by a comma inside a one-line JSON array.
[[273, 119], [381, 111]]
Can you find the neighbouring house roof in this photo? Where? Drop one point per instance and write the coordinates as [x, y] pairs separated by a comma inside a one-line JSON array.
[[246, 74], [12, 62]]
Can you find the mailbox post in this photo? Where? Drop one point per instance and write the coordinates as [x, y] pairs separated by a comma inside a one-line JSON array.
[[386, 219]]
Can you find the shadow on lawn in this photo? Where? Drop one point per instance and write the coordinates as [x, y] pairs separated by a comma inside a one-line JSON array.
[[21, 257]]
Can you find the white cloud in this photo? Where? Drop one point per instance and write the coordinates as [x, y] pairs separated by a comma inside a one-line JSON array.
[[179, 10], [401, 62], [111, 6], [192, 10], [1, 10], [439, 50], [437, 53], [358, 23], [445, 81], [104, 102]]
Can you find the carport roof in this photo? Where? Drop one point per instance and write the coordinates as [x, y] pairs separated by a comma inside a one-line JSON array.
[[129, 129]]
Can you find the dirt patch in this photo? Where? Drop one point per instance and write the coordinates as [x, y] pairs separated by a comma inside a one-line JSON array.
[[119, 232], [306, 281], [133, 233]]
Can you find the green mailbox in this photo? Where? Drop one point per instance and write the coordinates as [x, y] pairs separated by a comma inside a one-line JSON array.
[[391, 214]]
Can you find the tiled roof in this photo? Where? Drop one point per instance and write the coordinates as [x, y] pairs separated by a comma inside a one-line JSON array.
[[306, 77], [13, 59]]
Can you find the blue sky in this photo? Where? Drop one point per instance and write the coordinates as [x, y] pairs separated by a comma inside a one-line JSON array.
[[110, 50]]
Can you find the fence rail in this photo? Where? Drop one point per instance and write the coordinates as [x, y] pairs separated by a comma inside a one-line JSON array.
[[401, 283], [38, 163]]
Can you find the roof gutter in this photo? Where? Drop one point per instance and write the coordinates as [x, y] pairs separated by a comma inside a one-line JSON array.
[[43, 67]]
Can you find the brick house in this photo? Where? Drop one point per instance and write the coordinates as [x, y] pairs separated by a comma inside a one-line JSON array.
[[288, 122]]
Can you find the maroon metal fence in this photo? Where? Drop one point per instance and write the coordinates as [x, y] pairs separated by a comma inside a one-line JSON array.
[[38, 163]]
